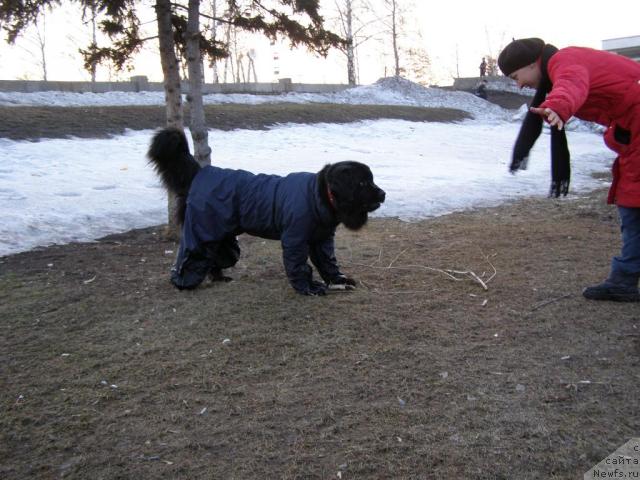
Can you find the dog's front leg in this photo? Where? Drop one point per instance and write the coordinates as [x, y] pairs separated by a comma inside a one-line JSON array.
[[299, 273], [323, 256]]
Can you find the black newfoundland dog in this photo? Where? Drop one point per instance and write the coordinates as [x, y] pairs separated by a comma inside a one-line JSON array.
[[302, 210]]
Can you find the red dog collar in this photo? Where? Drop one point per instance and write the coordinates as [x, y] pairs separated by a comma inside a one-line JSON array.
[[332, 200]]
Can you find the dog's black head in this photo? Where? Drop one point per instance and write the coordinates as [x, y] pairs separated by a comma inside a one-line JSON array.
[[349, 189]]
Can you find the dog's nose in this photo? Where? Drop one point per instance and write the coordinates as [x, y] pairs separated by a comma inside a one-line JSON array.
[[381, 195]]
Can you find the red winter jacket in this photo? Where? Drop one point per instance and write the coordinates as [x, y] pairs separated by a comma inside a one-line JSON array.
[[604, 88]]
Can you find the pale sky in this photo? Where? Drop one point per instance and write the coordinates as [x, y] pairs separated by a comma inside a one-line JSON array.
[[455, 35]]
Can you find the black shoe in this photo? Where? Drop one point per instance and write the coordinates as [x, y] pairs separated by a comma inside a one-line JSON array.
[[613, 292]]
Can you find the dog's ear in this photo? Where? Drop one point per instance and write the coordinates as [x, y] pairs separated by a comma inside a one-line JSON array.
[[344, 178], [334, 183]]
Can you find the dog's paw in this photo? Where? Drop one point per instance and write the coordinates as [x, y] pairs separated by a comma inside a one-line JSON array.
[[215, 275], [342, 283]]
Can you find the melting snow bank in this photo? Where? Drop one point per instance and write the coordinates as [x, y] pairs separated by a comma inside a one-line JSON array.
[[399, 91], [386, 91], [63, 190]]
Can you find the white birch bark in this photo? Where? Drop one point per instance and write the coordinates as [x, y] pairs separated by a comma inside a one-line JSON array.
[[197, 124], [172, 91]]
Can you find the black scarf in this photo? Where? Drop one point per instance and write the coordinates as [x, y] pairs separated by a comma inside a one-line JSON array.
[[530, 131]]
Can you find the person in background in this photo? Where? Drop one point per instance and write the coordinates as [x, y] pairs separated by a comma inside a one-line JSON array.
[[483, 67], [595, 86]]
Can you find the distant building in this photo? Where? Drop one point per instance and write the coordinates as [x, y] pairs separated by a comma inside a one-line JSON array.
[[627, 46]]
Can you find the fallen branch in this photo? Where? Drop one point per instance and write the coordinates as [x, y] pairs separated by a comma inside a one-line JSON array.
[[455, 275], [470, 274], [538, 306], [397, 257]]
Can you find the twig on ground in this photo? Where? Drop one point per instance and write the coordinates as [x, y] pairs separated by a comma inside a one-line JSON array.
[[495, 272], [470, 274], [455, 275], [538, 306], [379, 257], [397, 257]]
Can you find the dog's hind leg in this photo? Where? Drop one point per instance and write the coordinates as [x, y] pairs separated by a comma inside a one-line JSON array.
[[189, 271], [216, 275], [225, 254]]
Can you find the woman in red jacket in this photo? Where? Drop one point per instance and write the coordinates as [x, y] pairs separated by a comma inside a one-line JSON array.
[[599, 87]]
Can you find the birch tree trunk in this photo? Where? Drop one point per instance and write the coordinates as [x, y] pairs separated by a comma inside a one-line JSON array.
[[351, 49], [172, 91], [94, 41], [214, 33], [231, 60], [240, 67], [252, 68], [42, 43], [197, 124], [394, 35], [233, 51]]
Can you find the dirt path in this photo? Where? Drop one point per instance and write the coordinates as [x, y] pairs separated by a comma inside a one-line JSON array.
[[109, 372], [32, 123]]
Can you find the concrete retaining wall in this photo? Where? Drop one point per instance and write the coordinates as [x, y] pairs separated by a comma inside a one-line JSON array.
[[471, 83], [142, 84]]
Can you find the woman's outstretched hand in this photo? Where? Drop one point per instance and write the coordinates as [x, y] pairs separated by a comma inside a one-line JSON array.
[[550, 116]]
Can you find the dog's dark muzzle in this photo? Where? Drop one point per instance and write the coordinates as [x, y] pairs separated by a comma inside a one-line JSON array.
[[379, 200]]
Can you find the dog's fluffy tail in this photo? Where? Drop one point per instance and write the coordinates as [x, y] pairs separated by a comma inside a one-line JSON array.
[[169, 154], [170, 157]]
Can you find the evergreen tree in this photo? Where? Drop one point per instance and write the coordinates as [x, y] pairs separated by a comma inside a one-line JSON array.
[[180, 37]]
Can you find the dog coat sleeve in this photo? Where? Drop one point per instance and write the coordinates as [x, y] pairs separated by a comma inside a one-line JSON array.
[[295, 251], [323, 256]]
